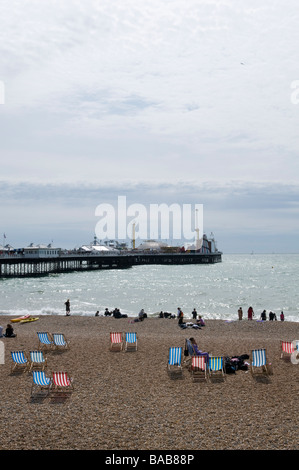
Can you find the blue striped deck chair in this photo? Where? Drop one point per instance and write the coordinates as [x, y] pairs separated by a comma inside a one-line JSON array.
[[45, 340], [216, 366], [37, 360], [20, 361], [40, 382], [258, 361], [175, 361], [130, 341], [59, 341]]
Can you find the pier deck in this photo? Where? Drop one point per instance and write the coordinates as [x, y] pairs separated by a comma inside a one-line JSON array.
[[19, 266]]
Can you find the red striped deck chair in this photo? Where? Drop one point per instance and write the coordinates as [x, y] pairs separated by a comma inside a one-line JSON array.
[[61, 382], [287, 348], [198, 368], [116, 341]]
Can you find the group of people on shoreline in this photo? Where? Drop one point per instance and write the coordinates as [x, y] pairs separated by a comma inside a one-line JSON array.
[[263, 316]]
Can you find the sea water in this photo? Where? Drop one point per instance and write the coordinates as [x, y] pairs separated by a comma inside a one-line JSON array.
[[216, 291]]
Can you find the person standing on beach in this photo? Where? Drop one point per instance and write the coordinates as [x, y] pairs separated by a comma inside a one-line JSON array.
[[240, 313], [250, 313], [67, 307], [194, 314]]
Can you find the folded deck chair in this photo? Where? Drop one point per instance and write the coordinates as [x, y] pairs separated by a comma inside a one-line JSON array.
[[19, 361], [61, 382], [216, 366], [130, 341], [45, 340], [198, 368], [40, 382], [174, 365], [287, 348], [60, 341], [259, 361], [116, 341], [37, 360]]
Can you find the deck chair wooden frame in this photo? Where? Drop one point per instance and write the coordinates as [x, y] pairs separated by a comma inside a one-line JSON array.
[[45, 340], [40, 383], [198, 368], [174, 365], [258, 363], [60, 341], [19, 361], [37, 360], [216, 367], [61, 382], [130, 341], [116, 341]]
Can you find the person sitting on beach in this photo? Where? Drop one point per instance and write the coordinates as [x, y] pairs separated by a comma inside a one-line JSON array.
[[107, 313], [142, 314], [200, 321], [9, 332], [197, 351]]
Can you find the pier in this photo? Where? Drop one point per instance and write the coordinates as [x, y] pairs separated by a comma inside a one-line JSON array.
[[24, 266]]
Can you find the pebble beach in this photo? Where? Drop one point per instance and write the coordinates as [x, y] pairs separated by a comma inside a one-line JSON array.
[[128, 401]]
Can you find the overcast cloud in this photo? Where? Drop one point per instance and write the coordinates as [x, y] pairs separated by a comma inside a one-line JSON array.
[[159, 100]]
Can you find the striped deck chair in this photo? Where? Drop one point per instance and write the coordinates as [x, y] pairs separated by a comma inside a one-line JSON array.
[[287, 348], [60, 341], [259, 361], [45, 340], [116, 341], [37, 360], [130, 341], [40, 382], [198, 368], [216, 367], [174, 365], [61, 382], [19, 361]]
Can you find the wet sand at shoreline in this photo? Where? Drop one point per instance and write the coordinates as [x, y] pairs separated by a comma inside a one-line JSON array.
[[127, 401]]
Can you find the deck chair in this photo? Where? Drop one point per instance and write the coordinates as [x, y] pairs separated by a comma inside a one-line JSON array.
[[198, 368], [45, 340], [60, 341], [37, 360], [174, 365], [130, 341], [287, 348], [40, 382], [216, 367], [116, 341], [259, 361], [19, 361], [61, 382]]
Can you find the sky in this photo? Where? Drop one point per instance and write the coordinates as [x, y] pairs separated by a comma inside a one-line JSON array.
[[160, 101]]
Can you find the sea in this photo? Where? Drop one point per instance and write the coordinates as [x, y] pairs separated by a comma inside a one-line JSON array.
[[216, 291]]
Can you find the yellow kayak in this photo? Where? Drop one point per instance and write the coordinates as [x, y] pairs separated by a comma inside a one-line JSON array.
[[29, 320], [25, 317]]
